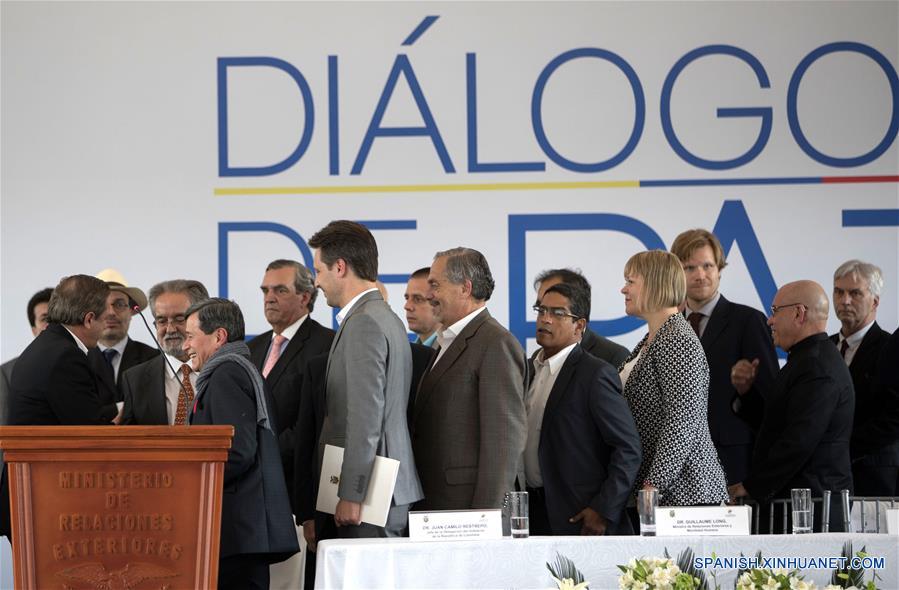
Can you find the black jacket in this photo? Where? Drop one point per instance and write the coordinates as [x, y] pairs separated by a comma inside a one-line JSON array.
[[806, 424], [589, 449]]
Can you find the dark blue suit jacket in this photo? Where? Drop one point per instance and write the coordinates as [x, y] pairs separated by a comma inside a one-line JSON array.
[[589, 447], [735, 332]]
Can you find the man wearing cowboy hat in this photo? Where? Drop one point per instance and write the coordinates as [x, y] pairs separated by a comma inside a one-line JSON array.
[[116, 352]]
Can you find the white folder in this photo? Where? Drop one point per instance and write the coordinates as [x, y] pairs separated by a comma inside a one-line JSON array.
[[380, 486]]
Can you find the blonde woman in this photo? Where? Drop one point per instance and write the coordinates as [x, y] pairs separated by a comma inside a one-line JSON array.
[[666, 383]]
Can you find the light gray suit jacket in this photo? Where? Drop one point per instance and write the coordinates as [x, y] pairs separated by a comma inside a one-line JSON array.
[[368, 377], [469, 423]]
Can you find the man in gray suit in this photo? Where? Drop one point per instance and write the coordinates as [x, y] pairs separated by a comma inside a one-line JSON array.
[[468, 423], [367, 379]]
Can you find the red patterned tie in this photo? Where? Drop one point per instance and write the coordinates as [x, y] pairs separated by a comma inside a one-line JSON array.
[[185, 396], [694, 318]]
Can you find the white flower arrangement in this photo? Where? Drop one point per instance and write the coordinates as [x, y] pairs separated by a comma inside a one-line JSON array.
[[655, 573]]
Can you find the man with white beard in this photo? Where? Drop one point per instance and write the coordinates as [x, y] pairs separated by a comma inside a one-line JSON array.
[[161, 390]]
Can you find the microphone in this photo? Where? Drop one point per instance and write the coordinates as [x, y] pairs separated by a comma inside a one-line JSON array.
[[136, 309]]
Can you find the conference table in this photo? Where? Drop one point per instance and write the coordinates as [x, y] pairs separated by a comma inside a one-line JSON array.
[[521, 563]]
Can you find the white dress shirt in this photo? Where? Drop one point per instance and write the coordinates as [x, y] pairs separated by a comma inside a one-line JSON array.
[[289, 332], [78, 341], [117, 359], [854, 342], [545, 374], [346, 308], [447, 335], [706, 311]]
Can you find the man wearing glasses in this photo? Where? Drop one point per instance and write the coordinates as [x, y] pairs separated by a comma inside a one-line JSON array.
[[161, 390], [806, 419], [583, 450], [115, 352]]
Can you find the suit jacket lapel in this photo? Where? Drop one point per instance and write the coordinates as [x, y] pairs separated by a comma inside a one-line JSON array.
[[154, 385], [864, 347], [358, 305], [560, 388], [258, 353], [717, 323], [438, 368]]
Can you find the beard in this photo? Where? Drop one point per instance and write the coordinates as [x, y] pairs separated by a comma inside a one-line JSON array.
[[173, 345]]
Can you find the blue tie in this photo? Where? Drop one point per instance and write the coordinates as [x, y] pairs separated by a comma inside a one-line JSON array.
[[110, 354]]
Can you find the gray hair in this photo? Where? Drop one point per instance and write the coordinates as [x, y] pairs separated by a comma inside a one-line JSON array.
[[865, 270], [194, 290], [215, 313], [76, 296], [467, 264], [303, 281]]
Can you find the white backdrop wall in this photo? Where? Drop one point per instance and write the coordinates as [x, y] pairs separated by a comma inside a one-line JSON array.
[[148, 137]]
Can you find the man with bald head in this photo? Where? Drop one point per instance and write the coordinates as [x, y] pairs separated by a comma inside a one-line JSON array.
[[806, 422]]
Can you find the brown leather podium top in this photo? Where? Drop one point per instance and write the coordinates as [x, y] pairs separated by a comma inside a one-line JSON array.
[[108, 506]]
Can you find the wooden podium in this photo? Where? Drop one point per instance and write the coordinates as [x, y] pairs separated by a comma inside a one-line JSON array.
[[115, 506]]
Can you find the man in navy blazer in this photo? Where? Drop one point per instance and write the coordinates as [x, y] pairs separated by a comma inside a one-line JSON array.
[[257, 527], [583, 450], [874, 446], [730, 334]]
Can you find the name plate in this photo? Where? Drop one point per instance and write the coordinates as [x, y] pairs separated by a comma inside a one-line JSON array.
[[688, 521], [456, 525]]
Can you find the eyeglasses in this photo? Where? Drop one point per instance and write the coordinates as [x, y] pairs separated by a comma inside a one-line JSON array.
[[120, 305], [163, 321], [557, 313], [776, 308]]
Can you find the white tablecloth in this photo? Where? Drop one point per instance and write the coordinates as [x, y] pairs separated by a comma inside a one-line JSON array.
[[520, 563]]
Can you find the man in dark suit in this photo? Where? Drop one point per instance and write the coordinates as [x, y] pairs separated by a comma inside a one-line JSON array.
[[53, 383], [599, 346], [875, 428], [583, 450], [289, 293], [257, 528], [730, 333], [155, 390], [116, 352], [38, 318], [419, 313], [806, 419], [468, 421]]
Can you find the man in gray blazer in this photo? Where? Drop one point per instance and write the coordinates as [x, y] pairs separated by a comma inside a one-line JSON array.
[[468, 422], [367, 379]]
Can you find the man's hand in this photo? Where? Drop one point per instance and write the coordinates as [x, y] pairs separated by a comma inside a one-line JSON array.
[[309, 534], [594, 524], [348, 513], [737, 491], [742, 375]]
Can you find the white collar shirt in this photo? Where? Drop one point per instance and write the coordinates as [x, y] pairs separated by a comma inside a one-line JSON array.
[[546, 371], [78, 341], [446, 336], [345, 310], [117, 359], [706, 311], [854, 342]]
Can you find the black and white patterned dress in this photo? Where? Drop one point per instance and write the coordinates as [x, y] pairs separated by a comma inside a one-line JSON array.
[[668, 393]]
